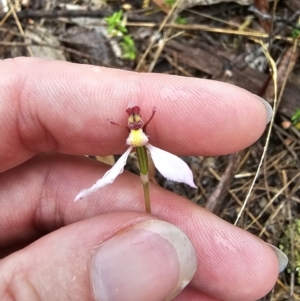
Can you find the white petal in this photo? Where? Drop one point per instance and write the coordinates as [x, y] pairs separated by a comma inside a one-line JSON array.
[[108, 177], [171, 166]]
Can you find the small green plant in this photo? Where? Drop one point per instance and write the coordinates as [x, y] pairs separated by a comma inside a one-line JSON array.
[[170, 3], [295, 33], [117, 28], [116, 24], [181, 20], [285, 245], [128, 47], [296, 117]]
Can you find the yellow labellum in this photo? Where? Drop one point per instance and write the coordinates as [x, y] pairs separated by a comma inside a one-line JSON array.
[[137, 138]]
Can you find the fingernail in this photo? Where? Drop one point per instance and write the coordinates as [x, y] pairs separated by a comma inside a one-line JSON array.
[[268, 108], [153, 260], [282, 258]]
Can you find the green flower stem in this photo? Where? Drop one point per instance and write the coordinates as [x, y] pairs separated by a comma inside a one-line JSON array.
[[144, 173]]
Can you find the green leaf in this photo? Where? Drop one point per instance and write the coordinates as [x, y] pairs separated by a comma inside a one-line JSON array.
[[115, 19], [128, 40], [128, 48], [296, 117], [181, 20], [123, 29], [170, 3], [295, 33]]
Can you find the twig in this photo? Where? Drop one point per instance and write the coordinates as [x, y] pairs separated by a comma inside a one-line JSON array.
[[239, 202], [249, 34], [287, 147], [178, 67], [215, 200], [292, 61], [273, 199], [273, 17], [274, 77], [52, 14], [285, 133], [6, 16], [292, 263], [274, 215], [20, 27], [162, 25]]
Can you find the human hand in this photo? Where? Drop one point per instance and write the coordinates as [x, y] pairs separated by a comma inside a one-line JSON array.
[[59, 107]]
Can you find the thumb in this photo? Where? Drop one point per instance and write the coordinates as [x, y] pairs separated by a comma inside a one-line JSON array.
[[119, 256]]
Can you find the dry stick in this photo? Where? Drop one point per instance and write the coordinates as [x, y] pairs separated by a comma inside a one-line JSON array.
[[249, 34], [20, 27], [243, 160], [239, 202], [229, 23], [276, 158], [286, 134], [291, 65], [284, 180], [273, 199], [51, 14], [282, 285], [213, 202], [289, 69], [287, 146], [274, 78], [274, 161], [292, 263], [294, 189], [272, 23], [275, 190], [296, 132], [265, 16], [6, 15], [274, 214], [161, 44], [162, 25], [138, 21], [178, 67], [265, 176], [287, 58]]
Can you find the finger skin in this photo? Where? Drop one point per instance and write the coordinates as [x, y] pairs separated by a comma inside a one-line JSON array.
[[64, 107], [56, 267], [228, 257], [190, 294]]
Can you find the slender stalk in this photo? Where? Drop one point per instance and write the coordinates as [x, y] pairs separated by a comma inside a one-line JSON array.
[[144, 173], [147, 197]]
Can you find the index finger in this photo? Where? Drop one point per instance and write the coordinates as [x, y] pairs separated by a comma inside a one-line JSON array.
[[64, 107]]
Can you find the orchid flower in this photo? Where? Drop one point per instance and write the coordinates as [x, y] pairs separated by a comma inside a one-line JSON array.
[[169, 165]]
